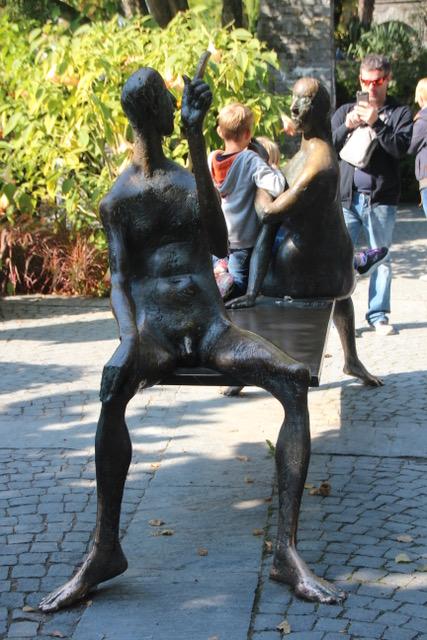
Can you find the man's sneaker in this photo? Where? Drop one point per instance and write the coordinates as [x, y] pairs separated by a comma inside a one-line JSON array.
[[384, 328], [369, 260]]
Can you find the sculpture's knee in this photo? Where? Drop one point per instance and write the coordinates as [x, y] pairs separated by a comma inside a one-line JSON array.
[[300, 375], [118, 386]]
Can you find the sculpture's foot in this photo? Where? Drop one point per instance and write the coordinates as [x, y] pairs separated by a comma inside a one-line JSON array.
[[353, 367], [230, 392], [100, 565], [293, 571]]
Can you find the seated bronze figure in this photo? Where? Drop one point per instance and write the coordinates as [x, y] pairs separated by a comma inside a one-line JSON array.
[[315, 258], [162, 225]]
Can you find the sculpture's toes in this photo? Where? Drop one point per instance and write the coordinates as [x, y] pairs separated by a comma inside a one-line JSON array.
[[357, 370], [292, 570], [316, 589], [64, 596], [373, 381]]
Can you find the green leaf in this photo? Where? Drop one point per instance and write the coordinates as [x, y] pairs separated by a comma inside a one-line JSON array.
[[25, 203], [9, 190], [13, 121], [83, 137], [67, 185], [241, 34]]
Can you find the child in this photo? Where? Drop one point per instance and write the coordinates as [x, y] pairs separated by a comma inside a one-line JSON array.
[[237, 173], [273, 152]]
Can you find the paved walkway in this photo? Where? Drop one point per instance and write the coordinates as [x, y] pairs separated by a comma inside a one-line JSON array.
[[203, 467]]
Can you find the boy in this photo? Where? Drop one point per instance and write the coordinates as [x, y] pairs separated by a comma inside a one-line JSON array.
[[237, 172]]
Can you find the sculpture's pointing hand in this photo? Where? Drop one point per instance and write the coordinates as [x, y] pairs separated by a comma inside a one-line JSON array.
[[196, 100]]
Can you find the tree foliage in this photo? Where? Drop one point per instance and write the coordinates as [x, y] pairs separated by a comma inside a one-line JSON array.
[[64, 137]]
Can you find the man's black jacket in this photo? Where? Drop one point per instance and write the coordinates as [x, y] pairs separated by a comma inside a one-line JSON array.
[[394, 137]]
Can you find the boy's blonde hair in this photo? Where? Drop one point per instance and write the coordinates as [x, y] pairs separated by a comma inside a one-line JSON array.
[[421, 91], [272, 149], [234, 120]]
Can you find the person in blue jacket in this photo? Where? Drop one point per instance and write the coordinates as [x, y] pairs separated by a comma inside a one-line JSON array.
[[369, 196]]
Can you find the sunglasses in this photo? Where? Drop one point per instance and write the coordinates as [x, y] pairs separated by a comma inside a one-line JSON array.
[[373, 83]]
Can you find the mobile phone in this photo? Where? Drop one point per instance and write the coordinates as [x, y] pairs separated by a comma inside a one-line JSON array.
[[362, 96]]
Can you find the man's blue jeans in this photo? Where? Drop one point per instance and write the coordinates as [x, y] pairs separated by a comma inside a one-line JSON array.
[[239, 261], [378, 222]]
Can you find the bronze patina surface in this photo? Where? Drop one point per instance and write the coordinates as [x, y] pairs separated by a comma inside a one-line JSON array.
[[315, 258], [162, 224]]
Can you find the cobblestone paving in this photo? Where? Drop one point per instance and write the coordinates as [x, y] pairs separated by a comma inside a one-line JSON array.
[[48, 509], [369, 537]]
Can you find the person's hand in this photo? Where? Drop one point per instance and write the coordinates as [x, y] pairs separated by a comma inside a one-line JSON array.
[[196, 100], [243, 302], [353, 120], [288, 125], [367, 113], [120, 370]]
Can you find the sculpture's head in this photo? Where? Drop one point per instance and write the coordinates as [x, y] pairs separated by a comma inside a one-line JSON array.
[[147, 102], [311, 104]]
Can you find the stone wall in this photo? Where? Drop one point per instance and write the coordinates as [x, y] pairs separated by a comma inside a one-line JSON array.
[[413, 12], [302, 35]]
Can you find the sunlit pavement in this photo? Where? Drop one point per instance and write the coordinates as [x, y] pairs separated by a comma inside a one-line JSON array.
[[202, 466]]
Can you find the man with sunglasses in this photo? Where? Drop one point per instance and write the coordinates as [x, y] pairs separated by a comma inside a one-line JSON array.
[[370, 195]]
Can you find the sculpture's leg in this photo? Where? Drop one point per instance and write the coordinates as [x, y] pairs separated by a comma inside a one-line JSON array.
[[106, 559], [344, 322], [113, 451], [256, 361]]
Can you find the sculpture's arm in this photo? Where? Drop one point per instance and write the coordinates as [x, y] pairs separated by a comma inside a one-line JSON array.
[[293, 201], [196, 101], [116, 371]]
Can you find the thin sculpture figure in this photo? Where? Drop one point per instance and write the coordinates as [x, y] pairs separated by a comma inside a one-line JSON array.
[[162, 225], [315, 257]]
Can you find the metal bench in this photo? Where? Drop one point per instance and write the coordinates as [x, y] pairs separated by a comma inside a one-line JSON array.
[[298, 327]]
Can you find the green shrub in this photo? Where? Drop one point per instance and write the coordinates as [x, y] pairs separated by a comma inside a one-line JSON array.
[[401, 44], [64, 135]]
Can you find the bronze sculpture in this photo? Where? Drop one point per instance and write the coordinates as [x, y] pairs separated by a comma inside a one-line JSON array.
[[315, 258], [162, 225]]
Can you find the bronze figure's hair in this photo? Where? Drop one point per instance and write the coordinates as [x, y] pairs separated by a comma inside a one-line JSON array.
[[321, 102], [139, 94]]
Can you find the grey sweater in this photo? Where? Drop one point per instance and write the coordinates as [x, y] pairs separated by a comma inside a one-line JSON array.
[[419, 147], [238, 190]]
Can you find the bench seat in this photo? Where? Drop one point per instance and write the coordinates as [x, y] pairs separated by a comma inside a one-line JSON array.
[[298, 327]]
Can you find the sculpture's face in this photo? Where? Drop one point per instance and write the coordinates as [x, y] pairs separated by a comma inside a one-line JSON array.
[[166, 109], [301, 108]]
